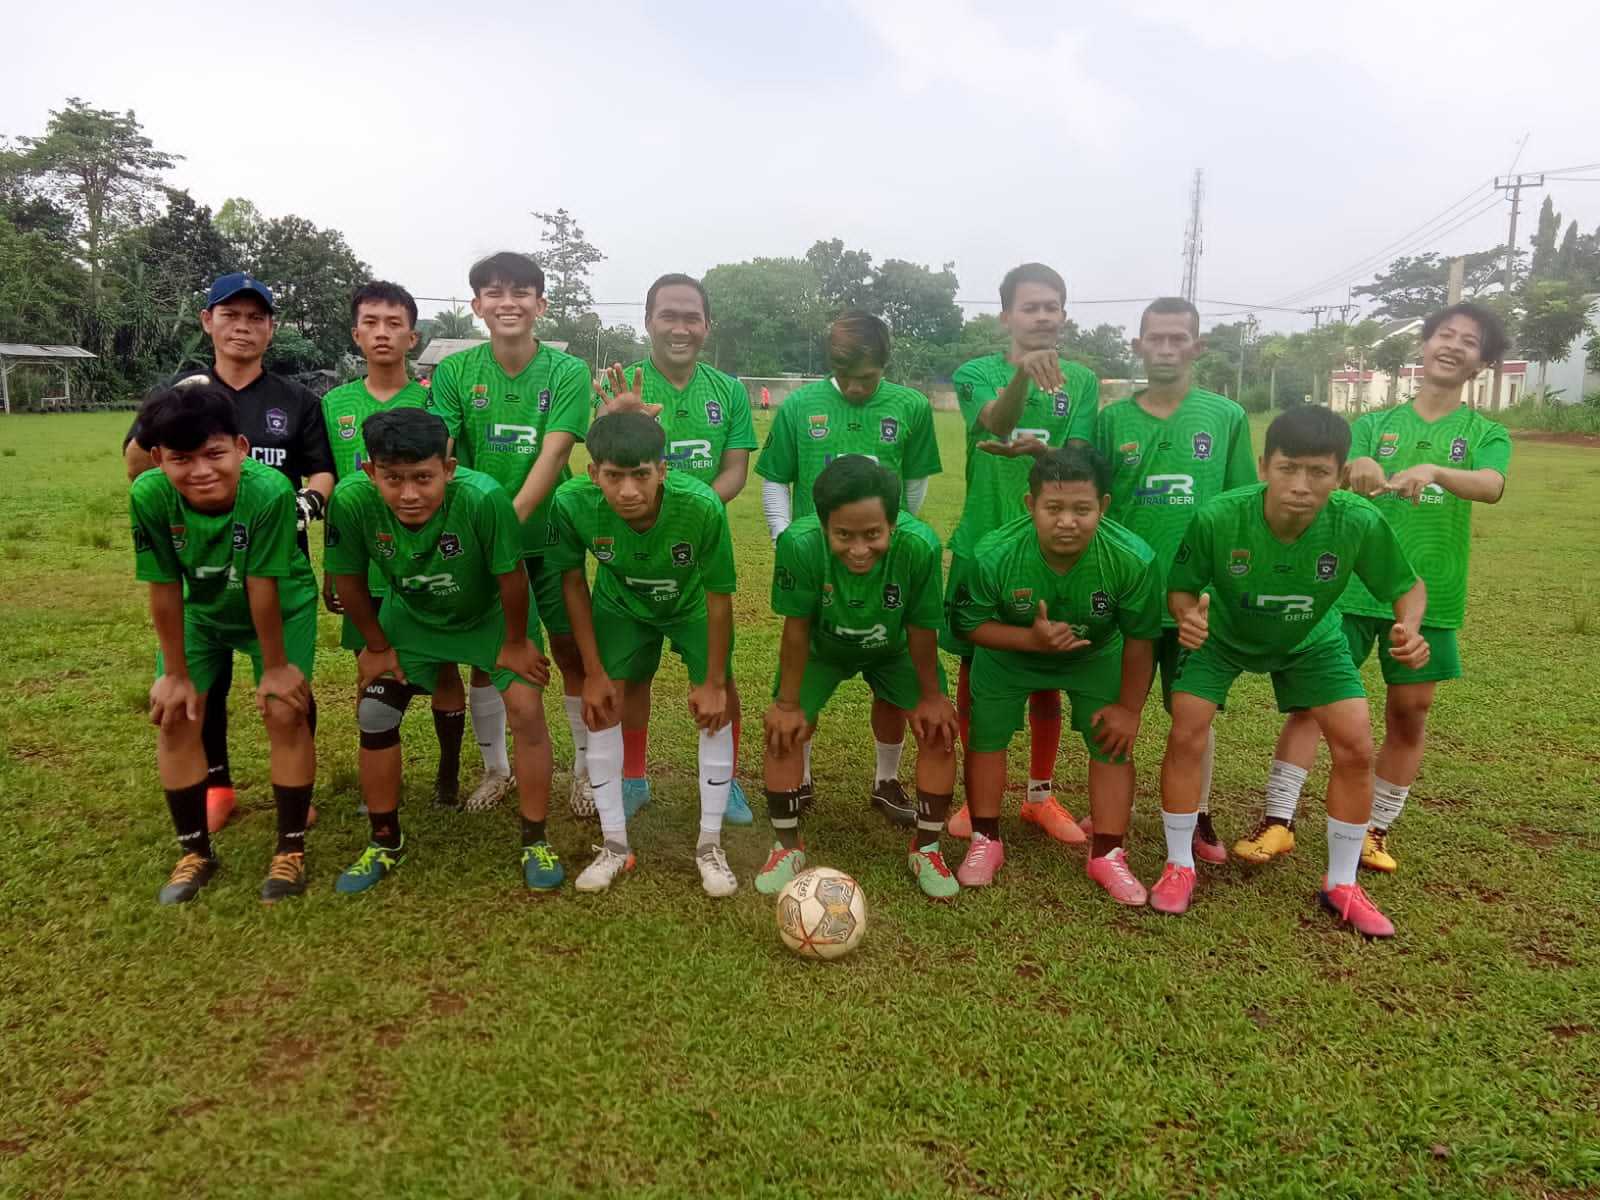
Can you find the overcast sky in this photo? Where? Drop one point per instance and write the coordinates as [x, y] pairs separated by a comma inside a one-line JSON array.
[[688, 134]]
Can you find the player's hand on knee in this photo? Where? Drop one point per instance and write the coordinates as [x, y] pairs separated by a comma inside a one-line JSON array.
[[172, 699], [602, 702], [286, 684], [524, 661], [785, 726], [1116, 729], [373, 665], [933, 722], [1195, 627], [708, 705], [1408, 647]]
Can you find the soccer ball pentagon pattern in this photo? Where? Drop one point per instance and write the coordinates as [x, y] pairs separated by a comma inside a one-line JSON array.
[[822, 914]]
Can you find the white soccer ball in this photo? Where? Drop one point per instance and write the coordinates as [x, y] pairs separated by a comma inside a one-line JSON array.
[[822, 914]]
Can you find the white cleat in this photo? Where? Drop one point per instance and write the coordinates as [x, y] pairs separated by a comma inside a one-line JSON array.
[[491, 790], [603, 871], [582, 798], [716, 876]]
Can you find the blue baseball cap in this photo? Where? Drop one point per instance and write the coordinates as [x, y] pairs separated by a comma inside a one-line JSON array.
[[226, 287]]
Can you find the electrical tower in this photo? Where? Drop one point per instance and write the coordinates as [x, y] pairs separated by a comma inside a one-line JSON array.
[[1191, 239]]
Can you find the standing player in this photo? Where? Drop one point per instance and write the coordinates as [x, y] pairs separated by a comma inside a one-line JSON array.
[[1171, 448], [214, 537], [665, 572], [1275, 558], [857, 585], [448, 547], [1426, 463], [709, 435], [1060, 600], [282, 422], [855, 411], [515, 407], [1016, 406]]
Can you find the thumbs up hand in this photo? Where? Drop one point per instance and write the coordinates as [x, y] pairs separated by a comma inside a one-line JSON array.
[[1054, 637], [1195, 625]]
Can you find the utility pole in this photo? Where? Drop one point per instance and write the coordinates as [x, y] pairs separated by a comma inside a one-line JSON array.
[[1192, 240], [1458, 274], [1512, 185], [1316, 311], [1247, 331]]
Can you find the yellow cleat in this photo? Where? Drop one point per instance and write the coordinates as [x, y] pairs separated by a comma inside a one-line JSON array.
[[1268, 840], [1375, 854]]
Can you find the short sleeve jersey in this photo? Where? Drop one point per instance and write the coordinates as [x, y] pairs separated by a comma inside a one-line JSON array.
[[710, 415], [995, 485], [1111, 593], [1162, 469], [500, 423], [816, 425], [347, 406], [213, 553], [1270, 598], [1436, 532], [856, 617], [444, 575], [660, 575]]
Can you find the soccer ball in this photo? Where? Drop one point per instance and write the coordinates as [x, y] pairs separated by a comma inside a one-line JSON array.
[[822, 914]]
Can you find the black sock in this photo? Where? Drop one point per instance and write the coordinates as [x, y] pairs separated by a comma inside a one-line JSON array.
[[783, 810], [188, 808], [988, 826], [1204, 828], [450, 728], [214, 732], [385, 828], [1104, 843], [294, 805], [532, 831], [932, 812], [311, 715]]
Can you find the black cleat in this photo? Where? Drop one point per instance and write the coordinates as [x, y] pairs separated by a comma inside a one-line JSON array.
[[889, 798], [286, 877], [447, 793], [191, 874], [806, 796]]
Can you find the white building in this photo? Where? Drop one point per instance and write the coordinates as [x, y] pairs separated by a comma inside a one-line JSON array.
[[1359, 391]]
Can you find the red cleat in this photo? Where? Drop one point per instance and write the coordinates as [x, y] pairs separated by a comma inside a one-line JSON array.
[[1210, 852], [219, 807], [1352, 906], [1111, 872], [1173, 890], [1056, 821]]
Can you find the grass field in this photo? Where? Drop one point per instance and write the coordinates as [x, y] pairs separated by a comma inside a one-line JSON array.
[[447, 1034]]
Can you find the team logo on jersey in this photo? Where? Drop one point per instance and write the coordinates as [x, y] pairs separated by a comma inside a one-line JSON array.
[[1202, 446], [1327, 567], [384, 545], [347, 426], [713, 413], [277, 422], [449, 545], [1238, 561], [888, 429], [241, 535], [819, 425], [141, 540], [1022, 599], [827, 595], [855, 603], [1062, 403], [330, 534], [518, 439], [480, 395], [605, 548], [1165, 489], [682, 554], [963, 594], [179, 540], [891, 595], [785, 579], [1100, 604], [1130, 453], [1458, 450], [544, 400], [1183, 553], [1388, 443]]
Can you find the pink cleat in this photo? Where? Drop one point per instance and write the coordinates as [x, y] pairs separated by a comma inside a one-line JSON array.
[[1056, 821], [1173, 890], [960, 825], [984, 857], [1209, 852], [1111, 872], [1352, 906]]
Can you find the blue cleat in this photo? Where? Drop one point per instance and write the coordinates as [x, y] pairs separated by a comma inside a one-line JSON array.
[[375, 862], [541, 869], [738, 811], [635, 795]]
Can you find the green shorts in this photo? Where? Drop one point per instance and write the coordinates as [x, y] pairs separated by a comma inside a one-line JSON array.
[[209, 648], [349, 636], [1169, 653], [547, 599], [630, 650], [961, 573], [892, 679], [1444, 652], [423, 649], [999, 700], [1318, 674]]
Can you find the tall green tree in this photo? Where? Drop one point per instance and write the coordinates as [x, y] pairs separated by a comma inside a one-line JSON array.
[[1555, 314], [1416, 285], [1543, 241], [312, 273], [454, 322], [1391, 355], [917, 301], [566, 257], [240, 223], [41, 287], [844, 277], [770, 317]]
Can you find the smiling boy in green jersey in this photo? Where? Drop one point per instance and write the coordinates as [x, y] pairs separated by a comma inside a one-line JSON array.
[[1275, 558], [1425, 463], [515, 407], [1062, 600], [665, 573], [1017, 406], [854, 411], [857, 585], [1173, 447], [447, 545], [706, 414], [214, 537]]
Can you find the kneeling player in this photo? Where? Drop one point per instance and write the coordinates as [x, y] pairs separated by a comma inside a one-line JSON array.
[[448, 544], [1276, 557], [214, 537], [665, 572], [857, 584], [1060, 600]]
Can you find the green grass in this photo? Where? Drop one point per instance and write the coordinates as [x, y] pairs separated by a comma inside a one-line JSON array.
[[450, 1035]]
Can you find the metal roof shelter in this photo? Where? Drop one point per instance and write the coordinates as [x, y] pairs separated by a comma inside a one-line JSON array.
[[19, 354]]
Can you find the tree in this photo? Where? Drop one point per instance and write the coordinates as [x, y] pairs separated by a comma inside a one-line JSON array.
[[770, 317], [454, 322], [40, 287], [844, 276], [1554, 316], [1103, 349], [240, 223], [98, 165], [1391, 355], [566, 257], [1414, 286], [312, 273], [917, 302], [1543, 241]]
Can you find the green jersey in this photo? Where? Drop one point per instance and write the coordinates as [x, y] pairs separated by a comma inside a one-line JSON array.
[[1270, 598], [500, 423], [347, 406], [213, 553], [1112, 592], [1162, 469], [995, 485], [1436, 532], [816, 425], [657, 576], [710, 415], [442, 576], [856, 617]]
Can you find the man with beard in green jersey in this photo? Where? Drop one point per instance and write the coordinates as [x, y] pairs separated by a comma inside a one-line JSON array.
[[854, 411], [1425, 463]]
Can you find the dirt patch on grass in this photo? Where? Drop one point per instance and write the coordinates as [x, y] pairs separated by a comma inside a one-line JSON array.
[[1565, 1033], [446, 1004]]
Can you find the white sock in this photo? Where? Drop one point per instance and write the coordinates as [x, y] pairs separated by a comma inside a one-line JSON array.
[[888, 760], [716, 772], [1180, 837], [1206, 764], [1387, 801], [1038, 789], [1344, 851], [805, 752], [580, 736], [605, 763], [489, 727], [1284, 782]]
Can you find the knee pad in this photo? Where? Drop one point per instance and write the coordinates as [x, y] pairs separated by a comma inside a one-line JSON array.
[[383, 704]]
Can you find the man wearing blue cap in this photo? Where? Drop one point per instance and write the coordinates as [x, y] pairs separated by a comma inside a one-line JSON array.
[[283, 423]]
